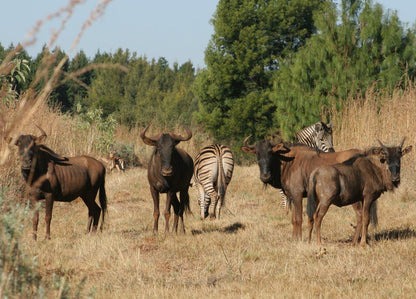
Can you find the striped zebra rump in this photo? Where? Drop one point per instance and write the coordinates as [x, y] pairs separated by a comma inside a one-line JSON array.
[[212, 173]]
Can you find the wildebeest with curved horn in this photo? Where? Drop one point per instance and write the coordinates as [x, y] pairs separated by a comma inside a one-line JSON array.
[[363, 178], [52, 177], [288, 166], [169, 171]]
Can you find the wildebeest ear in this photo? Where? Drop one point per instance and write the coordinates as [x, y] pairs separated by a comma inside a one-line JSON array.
[[249, 149], [408, 149], [42, 136], [329, 125], [377, 151], [281, 148]]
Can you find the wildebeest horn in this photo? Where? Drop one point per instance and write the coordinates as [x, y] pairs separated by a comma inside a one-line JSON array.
[[246, 144], [401, 144], [149, 140], [182, 138], [42, 137], [382, 145]]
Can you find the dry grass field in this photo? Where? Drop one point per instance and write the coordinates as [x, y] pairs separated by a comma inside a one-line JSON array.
[[246, 254]]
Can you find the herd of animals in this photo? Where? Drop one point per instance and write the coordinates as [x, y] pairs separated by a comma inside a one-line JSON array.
[[309, 168]]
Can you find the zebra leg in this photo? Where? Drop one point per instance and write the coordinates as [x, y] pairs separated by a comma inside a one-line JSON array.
[[203, 203], [213, 205], [285, 201]]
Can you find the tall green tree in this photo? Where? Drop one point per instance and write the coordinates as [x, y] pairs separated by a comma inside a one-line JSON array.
[[250, 38], [357, 48], [77, 87]]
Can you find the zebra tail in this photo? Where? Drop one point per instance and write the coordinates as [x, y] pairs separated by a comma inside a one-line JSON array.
[[221, 184], [312, 202]]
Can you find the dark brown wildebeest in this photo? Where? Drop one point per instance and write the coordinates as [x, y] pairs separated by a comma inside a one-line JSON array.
[[169, 171], [363, 178], [288, 166], [56, 178]]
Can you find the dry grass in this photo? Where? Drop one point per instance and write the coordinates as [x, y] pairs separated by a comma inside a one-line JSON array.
[[248, 253]]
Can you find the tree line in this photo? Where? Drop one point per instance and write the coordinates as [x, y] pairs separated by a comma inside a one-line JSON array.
[[270, 64]]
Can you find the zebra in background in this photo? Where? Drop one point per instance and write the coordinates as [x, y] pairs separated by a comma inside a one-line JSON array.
[[318, 136], [212, 173]]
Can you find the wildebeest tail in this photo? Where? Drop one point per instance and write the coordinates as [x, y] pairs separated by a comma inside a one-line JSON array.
[[103, 200], [373, 213], [312, 202]]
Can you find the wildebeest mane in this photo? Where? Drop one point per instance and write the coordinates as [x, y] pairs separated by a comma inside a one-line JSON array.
[[366, 153], [297, 144], [58, 159]]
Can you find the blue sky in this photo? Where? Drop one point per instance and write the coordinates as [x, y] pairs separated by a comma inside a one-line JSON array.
[[177, 30]]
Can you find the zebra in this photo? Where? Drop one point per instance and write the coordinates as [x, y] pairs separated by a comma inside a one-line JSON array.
[[318, 136], [213, 169]]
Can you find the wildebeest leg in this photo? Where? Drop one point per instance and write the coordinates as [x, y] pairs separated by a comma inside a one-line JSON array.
[[35, 219], [297, 217], [365, 220], [176, 207], [169, 197], [358, 214], [319, 215], [48, 214], [156, 212]]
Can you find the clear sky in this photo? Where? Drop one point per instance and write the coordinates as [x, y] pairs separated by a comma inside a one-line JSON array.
[[178, 30]]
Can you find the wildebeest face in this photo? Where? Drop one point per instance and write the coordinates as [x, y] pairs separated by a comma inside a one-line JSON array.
[[391, 156], [264, 156], [165, 147], [27, 147], [265, 152]]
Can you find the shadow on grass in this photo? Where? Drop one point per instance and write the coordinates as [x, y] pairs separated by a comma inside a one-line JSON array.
[[395, 234], [391, 234], [230, 229]]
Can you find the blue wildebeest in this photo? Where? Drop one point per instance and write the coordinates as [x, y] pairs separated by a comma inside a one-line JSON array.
[[288, 166], [363, 178], [214, 167], [317, 136], [52, 177], [169, 171]]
